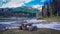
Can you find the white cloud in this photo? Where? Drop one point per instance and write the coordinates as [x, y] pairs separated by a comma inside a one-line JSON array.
[[15, 3], [27, 1], [37, 6]]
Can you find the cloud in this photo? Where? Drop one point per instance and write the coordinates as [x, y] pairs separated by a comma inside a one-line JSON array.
[[19, 3], [15, 3], [27, 1], [12, 4], [37, 6]]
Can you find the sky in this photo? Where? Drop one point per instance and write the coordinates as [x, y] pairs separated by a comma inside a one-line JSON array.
[[19, 3]]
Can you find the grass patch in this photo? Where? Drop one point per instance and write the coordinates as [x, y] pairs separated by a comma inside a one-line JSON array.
[[39, 31], [52, 19]]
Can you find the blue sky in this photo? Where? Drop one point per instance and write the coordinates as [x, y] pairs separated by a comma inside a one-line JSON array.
[[36, 2], [17, 3]]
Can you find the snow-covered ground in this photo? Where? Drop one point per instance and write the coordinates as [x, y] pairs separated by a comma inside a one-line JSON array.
[[52, 25], [35, 21]]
